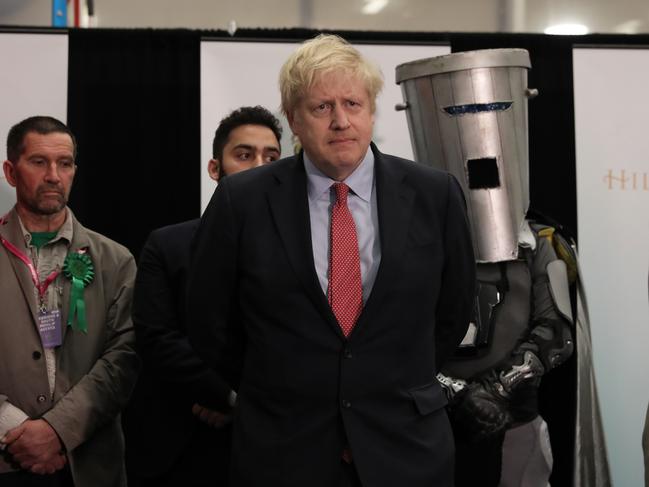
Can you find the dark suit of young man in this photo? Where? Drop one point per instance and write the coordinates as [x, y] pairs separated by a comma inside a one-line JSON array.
[[165, 441], [172, 437]]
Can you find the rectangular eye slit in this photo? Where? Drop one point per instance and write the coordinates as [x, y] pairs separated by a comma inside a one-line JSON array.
[[498, 106], [483, 173]]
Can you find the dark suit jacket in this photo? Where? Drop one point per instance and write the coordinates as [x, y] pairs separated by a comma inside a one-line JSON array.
[[158, 422], [305, 390]]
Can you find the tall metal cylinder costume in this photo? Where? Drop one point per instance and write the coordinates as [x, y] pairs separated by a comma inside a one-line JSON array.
[[467, 114]]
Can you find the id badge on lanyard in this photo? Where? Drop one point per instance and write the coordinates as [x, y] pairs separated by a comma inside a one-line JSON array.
[[49, 321], [49, 328]]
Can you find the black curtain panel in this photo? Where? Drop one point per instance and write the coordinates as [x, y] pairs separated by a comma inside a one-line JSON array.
[[134, 105]]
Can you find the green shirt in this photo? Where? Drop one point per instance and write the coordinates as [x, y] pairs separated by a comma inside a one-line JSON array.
[[41, 238]]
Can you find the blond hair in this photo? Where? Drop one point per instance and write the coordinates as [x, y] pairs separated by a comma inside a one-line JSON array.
[[325, 54]]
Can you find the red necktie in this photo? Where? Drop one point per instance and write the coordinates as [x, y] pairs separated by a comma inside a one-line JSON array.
[[345, 291]]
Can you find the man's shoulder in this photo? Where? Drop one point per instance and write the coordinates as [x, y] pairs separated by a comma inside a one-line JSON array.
[[171, 242], [175, 231], [415, 172], [266, 174], [100, 245]]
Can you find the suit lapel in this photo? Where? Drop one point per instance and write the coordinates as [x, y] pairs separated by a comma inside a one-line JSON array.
[[289, 205], [10, 230], [394, 204]]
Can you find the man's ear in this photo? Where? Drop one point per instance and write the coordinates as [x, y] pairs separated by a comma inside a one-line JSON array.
[[214, 169], [290, 118], [8, 168]]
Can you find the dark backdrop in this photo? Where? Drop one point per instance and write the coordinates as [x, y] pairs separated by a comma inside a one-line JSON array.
[[134, 106]]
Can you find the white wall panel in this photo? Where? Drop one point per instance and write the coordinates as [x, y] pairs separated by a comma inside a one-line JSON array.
[[33, 81], [612, 144]]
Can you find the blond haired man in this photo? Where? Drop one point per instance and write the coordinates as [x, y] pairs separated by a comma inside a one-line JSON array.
[[349, 281]]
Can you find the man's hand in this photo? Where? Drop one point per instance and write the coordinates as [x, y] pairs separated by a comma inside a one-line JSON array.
[[35, 446], [55, 464], [213, 418]]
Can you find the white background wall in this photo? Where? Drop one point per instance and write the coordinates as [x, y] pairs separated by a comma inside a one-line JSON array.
[[33, 81], [612, 142]]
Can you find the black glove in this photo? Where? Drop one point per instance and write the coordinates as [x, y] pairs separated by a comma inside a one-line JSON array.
[[481, 410]]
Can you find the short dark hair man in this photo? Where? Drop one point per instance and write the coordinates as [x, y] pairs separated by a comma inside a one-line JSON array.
[[66, 339], [171, 435], [349, 280], [233, 148]]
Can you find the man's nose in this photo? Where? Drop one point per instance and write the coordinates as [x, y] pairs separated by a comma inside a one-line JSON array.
[[339, 118], [52, 173], [258, 160]]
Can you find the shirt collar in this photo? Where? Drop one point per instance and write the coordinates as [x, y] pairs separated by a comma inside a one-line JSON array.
[[360, 181], [65, 232], [526, 236]]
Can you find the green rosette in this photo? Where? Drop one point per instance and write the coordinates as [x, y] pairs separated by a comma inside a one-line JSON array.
[[79, 269]]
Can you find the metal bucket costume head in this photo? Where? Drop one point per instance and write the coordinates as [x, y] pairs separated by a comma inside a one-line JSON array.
[[467, 114]]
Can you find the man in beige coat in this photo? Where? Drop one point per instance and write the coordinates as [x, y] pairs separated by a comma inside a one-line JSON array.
[[67, 362]]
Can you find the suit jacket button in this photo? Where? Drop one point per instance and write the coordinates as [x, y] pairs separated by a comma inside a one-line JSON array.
[[36, 354], [41, 398], [347, 353], [346, 404]]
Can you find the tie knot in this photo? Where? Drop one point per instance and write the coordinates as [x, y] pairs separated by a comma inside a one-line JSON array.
[[341, 190]]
